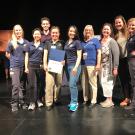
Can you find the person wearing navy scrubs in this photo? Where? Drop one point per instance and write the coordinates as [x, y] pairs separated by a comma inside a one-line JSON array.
[[34, 66], [16, 52], [73, 51], [53, 80]]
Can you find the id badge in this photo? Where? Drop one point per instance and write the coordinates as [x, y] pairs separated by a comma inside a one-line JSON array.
[[53, 47], [84, 56]]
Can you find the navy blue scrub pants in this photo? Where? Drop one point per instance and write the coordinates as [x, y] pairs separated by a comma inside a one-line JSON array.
[[18, 83]]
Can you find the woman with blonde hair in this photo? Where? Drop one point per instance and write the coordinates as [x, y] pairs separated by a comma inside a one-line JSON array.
[[91, 65], [16, 51], [131, 59]]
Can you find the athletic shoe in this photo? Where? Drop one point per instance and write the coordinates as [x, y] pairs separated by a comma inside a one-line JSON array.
[[39, 103], [73, 107], [31, 106]]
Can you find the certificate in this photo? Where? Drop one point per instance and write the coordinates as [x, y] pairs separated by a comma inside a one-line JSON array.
[[55, 66], [54, 62]]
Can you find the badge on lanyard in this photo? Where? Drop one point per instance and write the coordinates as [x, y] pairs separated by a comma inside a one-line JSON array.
[[53, 47], [84, 56]]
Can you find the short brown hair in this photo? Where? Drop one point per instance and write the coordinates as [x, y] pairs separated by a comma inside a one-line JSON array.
[[45, 18]]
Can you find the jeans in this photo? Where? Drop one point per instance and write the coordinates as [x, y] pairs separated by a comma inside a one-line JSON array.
[[73, 83]]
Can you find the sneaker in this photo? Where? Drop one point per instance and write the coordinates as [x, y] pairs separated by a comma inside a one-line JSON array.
[[107, 104], [23, 106], [104, 102], [73, 107], [57, 103], [69, 105], [40, 104], [125, 102], [31, 106], [14, 108]]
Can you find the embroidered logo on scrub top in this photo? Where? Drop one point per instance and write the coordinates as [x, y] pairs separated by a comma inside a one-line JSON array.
[[59, 44], [131, 39], [40, 48], [71, 45], [24, 45]]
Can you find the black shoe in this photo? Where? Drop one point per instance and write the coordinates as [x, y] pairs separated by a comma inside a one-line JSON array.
[[130, 107], [85, 102], [57, 102], [48, 108], [91, 106], [23, 106]]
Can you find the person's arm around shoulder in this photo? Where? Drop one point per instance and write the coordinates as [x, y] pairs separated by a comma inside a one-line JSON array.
[[63, 43], [45, 57], [98, 46], [26, 62], [98, 65], [27, 48]]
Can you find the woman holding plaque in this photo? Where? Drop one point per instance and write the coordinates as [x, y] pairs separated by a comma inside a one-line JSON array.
[[53, 80], [73, 58]]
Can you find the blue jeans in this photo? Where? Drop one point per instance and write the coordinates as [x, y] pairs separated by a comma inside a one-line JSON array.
[[73, 83]]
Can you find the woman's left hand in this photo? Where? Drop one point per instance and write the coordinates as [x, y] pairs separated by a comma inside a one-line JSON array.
[[97, 68], [74, 71], [26, 70], [63, 62], [115, 71]]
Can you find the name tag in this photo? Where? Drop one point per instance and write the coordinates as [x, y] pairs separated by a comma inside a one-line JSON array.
[[40, 48], [53, 47], [84, 56]]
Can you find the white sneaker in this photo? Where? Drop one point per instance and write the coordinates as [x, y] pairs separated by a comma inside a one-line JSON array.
[[31, 106], [107, 104], [104, 102], [39, 103]]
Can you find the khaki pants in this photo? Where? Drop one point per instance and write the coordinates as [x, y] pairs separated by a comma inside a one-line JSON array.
[[53, 85], [89, 77]]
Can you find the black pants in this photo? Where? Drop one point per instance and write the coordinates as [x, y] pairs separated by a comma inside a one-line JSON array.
[[123, 73], [42, 76], [18, 83], [131, 63], [35, 84]]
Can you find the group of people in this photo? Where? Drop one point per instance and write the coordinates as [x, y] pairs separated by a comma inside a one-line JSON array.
[[110, 56]]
